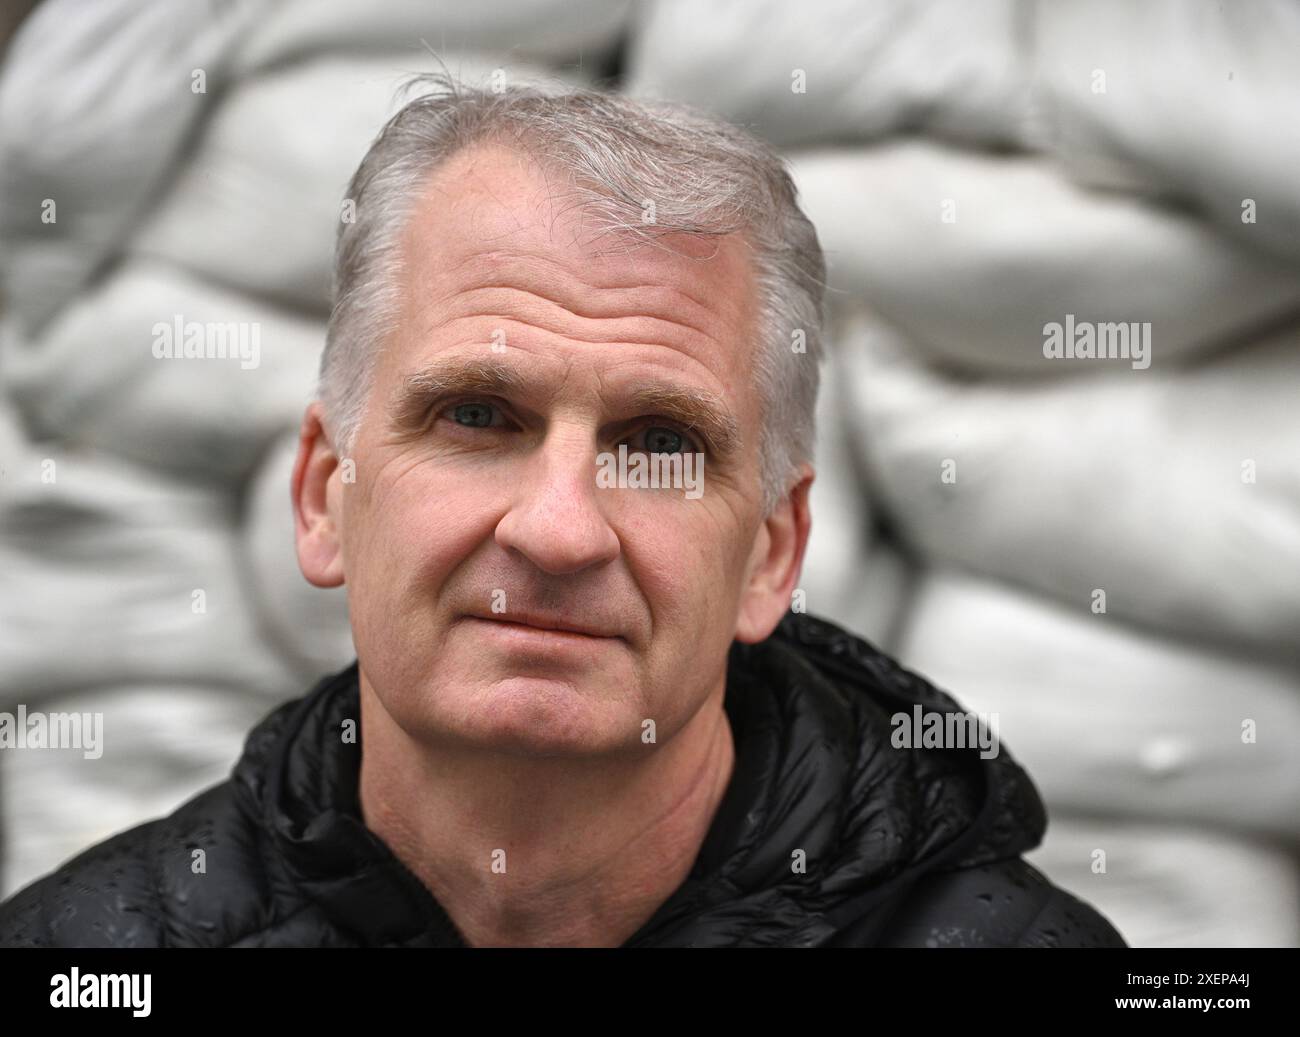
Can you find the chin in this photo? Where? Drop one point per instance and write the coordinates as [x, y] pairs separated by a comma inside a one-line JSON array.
[[541, 716]]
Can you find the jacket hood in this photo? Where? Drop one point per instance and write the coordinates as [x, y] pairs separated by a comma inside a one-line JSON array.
[[815, 770]]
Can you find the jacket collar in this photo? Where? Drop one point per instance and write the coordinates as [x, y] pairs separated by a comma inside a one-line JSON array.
[[815, 772]]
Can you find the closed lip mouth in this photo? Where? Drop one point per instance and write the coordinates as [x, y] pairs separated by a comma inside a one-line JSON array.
[[545, 623]]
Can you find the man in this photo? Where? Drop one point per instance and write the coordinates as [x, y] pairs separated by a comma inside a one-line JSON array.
[[583, 711]]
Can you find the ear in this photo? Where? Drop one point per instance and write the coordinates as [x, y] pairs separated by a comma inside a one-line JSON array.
[[315, 507], [775, 563]]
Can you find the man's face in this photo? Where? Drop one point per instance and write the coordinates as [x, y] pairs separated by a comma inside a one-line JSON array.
[[476, 518]]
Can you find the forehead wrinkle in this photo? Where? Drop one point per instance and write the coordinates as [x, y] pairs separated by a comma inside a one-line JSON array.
[[559, 286], [509, 272], [632, 329]]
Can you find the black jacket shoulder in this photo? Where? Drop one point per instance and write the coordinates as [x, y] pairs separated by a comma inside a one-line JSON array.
[[1007, 903]]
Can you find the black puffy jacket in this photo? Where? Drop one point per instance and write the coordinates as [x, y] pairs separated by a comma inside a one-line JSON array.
[[904, 847]]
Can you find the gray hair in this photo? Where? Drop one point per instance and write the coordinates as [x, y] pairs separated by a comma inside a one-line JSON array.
[[705, 176]]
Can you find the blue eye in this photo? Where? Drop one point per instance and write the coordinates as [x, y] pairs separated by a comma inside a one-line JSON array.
[[660, 439], [473, 415]]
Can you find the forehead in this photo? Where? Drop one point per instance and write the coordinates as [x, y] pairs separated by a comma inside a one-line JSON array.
[[497, 233]]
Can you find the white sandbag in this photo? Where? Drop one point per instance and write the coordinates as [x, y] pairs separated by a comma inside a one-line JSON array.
[[96, 102], [1193, 99], [1176, 886], [1135, 482], [13, 437], [309, 624], [99, 375], [825, 70], [160, 744], [868, 592], [973, 254], [531, 29], [115, 575], [258, 204], [1110, 719]]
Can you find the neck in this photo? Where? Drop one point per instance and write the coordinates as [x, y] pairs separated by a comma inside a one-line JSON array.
[[592, 846]]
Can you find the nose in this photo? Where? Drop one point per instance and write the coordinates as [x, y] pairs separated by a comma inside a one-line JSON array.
[[555, 518]]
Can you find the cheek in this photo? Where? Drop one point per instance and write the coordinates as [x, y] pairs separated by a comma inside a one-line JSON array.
[[406, 533], [685, 562]]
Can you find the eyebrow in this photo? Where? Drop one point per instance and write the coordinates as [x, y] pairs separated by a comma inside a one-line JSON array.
[[696, 410]]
